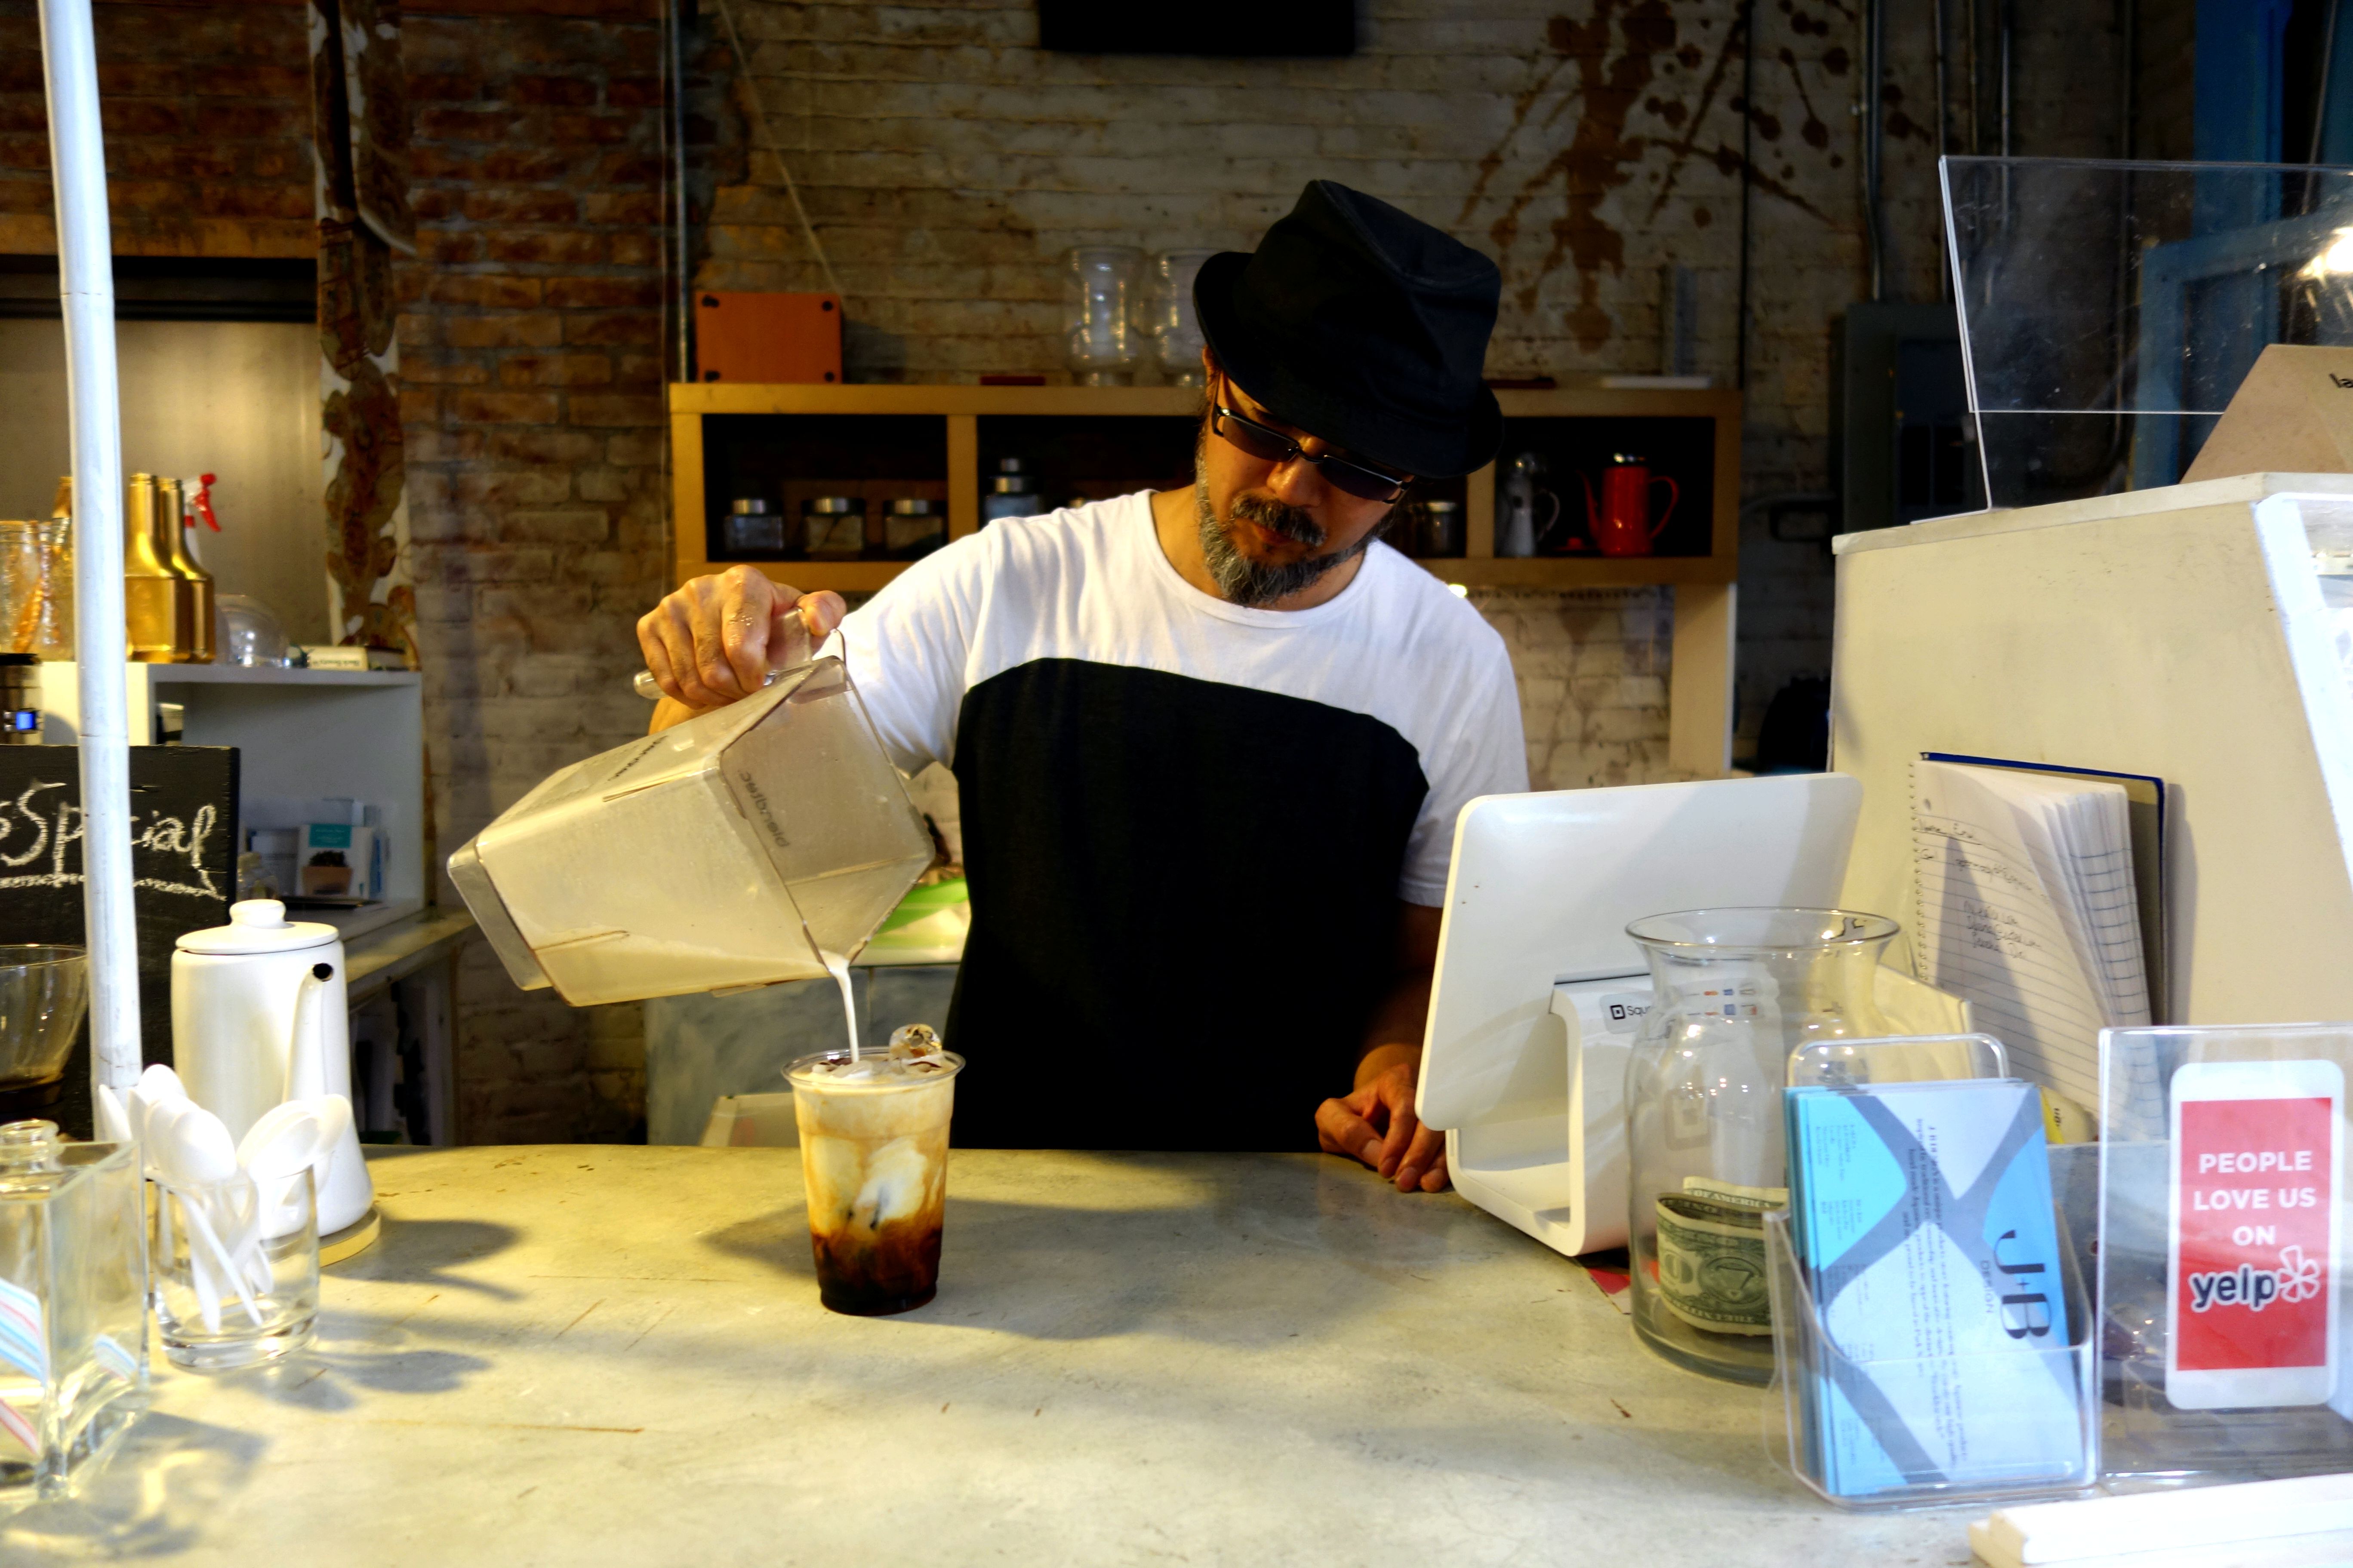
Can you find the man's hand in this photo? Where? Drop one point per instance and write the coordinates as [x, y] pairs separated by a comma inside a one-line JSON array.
[[1376, 1123], [713, 640]]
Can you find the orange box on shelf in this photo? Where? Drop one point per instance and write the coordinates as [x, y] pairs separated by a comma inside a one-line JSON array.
[[768, 338]]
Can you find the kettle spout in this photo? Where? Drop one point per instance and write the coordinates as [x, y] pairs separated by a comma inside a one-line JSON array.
[[306, 1053]]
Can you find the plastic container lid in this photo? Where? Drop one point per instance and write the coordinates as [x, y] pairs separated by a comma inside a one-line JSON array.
[[258, 925]]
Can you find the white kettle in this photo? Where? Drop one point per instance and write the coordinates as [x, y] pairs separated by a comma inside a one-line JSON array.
[[259, 1017]]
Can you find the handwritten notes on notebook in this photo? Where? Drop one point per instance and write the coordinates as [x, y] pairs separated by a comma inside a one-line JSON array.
[[2026, 908]]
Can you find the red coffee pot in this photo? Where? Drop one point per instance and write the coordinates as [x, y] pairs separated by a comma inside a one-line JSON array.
[[1621, 519]]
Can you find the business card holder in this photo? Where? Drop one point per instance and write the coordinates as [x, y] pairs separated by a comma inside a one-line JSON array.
[[2058, 1459], [1869, 1432]]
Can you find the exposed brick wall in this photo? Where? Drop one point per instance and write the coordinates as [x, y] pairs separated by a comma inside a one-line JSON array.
[[531, 342], [207, 116], [947, 163], [1592, 672]]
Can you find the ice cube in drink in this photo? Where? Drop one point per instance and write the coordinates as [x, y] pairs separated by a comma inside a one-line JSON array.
[[874, 1160]]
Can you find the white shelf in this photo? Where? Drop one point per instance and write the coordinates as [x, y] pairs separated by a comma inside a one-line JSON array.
[[358, 922], [260, 675], [302, 734]]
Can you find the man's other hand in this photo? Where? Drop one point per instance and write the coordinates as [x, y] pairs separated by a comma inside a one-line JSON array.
[[1376, 1123], [713, 639]]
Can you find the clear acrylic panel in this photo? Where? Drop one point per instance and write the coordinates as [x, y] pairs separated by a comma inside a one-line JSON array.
[[2109, 310], [2222, 1162], [1907, 1059]]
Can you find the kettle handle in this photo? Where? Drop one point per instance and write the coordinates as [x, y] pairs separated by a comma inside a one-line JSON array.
[[306, 1053], [1674, 494]]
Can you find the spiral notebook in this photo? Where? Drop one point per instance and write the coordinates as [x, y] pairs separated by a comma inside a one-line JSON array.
[[2030, 905]]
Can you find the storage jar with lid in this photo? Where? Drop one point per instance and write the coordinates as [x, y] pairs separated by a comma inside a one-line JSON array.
[[750, 529], [833, 527], [914, 526], [1012, 492]]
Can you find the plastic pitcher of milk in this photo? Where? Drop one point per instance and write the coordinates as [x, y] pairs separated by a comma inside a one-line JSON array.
[[742, 848]]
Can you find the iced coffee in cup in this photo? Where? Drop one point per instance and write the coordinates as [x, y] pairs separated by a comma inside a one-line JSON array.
[[874, 1158]]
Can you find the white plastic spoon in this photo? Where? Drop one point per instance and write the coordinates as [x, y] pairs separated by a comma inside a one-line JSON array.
[[159, 1085], [287, 1139], [193, 1149], [154, 1134]]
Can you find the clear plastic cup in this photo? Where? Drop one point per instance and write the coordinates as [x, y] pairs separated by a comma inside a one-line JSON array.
[[874, 1160]]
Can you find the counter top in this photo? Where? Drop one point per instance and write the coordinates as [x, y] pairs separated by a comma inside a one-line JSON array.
[[599, 1355]]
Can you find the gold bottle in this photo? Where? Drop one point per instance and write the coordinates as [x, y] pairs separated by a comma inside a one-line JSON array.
[[197, 601], [151, 589]]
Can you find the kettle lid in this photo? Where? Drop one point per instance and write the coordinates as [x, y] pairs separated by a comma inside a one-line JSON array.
[[258, 925]]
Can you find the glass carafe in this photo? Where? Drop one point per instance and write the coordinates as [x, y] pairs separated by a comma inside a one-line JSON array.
[[1736, 991]]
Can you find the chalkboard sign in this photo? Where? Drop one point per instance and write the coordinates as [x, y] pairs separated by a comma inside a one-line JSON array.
[[183, 834]]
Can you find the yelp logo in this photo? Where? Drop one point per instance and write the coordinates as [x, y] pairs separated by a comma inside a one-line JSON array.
[[2297, 1278]]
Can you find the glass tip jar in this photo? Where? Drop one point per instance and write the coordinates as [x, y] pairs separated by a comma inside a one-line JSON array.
[[1736, 991]]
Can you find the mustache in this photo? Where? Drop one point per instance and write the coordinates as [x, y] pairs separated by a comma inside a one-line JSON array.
[[1289, 521]]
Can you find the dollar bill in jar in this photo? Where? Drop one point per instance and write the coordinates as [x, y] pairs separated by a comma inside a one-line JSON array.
[[1712, 1264]]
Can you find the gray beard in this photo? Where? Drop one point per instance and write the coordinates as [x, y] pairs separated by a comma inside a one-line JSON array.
[[1244, 582]]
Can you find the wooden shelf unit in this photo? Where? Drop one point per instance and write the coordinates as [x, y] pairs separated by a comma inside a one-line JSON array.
[[1576, 426]]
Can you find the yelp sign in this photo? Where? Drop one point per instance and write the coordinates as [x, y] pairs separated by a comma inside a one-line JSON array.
[[2297, 1278]]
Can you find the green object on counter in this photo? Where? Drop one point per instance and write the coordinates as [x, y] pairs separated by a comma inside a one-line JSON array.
[[922, 903]]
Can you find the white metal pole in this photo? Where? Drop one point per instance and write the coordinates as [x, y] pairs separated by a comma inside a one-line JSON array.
[[86, 283]]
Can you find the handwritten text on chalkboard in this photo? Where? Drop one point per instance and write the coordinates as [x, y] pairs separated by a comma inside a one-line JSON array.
[[39, 827]]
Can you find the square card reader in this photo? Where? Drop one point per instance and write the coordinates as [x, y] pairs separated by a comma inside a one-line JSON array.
[[1539, 991]]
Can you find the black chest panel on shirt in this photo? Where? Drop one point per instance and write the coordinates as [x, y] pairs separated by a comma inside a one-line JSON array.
[[1184, 907]]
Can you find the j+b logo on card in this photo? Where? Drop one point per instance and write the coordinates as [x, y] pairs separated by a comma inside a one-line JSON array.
[[2254, 1177]]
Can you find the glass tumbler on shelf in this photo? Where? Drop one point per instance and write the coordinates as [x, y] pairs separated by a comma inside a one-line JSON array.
[[73, 1306], [20, 585], [53, 624], [1737, 990], [1100, 327], [1175, 330], [236, 1269]]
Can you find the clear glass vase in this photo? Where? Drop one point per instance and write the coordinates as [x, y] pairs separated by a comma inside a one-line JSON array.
[[1736, 992]]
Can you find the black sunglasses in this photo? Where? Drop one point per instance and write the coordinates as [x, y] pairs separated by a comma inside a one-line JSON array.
[[1274, 447]]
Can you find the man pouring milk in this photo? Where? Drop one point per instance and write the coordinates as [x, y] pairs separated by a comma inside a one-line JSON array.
[[1209, 744]]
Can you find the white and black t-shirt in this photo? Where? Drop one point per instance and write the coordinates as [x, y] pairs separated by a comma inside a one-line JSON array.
[[1187, 825]]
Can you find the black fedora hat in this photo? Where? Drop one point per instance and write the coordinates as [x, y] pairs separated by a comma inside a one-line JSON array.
[[1363, 325]]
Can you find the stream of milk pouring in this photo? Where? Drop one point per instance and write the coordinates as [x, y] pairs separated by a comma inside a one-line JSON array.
[[838, 967]]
